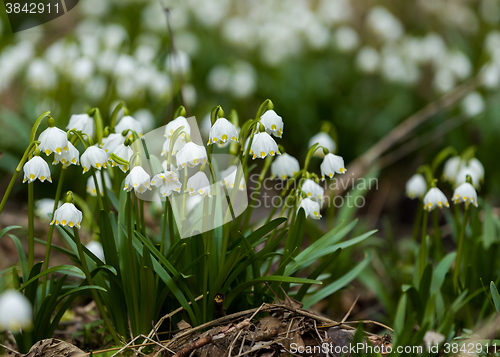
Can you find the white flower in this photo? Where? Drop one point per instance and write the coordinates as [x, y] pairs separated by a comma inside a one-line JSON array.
[[476, 166], [36, 168], [67, 215], [198, 184], [15, 311], [313, 190], [95, 157], [451, 167], [178, 63], [416, 186], [175, 124], [123, 152], [91, 189], [70, 157], [110, 142], [44, 208], [465, 193], [323, 139], [284, 166], [272, 122], [129, 123], [262, 145], [311, 208], [167, 182], [432, 338], [53, 139], [473, 104], [229, 176], [191, 155], [467, 171], [96, 248], [435, 198], [332, 164], [83, 123], [179, 144], [138, 179], [221, 131]]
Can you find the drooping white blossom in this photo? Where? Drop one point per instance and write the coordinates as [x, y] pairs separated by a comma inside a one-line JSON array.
[[465, 193], [191, 155], [83, 123], [94, 157], [332, 164], [311, 208], [36, 168], [284, 166], [325, 140], [52, 140], [313, 190], [15, 311], [416, 186], [67, 215], [263, 145], [167, 182], [198, 184], [272, 122], [137, 179], [222, 131], [70, 157], [175, 124], [435, 198]]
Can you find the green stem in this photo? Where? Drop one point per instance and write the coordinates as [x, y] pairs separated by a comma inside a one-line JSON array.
[[98, 191], [106, 204], [458, 259], [48, 247], [267, 164], [31, 226], [143, 221], [437, 243], [27, 153], [423, 245], [94, 293], [418, 219], [130, 221], [164, 229]]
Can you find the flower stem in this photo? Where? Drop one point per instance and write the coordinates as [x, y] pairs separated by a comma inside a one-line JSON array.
[[31, 226], [98, 191], [48, 247], [164, 229], [267, 164], [458, 259], [418, 219], [94, 293], [423, 245]]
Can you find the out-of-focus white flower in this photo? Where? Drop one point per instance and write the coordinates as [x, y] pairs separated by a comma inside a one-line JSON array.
[[459, 64], [167, 182], [83, 69], [346, 39], [443, 80], [432, 338], [433, 48], [416, 186], [325, 140], [332, 164], [175, 124], [311, 208], [179, 144], [52, 140], [222, 131], [198, 184], [178, 63], [229, 176], [284, 166], [110, 142], [263, 145], [384, 24], [219, 78], [67, 215], [243, 80], [435, 198], [368, 59], [272, 122], [465, 171], [313, 190], [473, 104], [15, 311], [114, 36], [44, 208], [146, 118], [83, 123], [451, 167], [491, 76], [128, 122], [137, 180], [123, 152], [91, 189], [191, 155], [465, 193], [70, 157], [96, 248], [189, 94], [41, 75], [36, 168], [94, 157], [476, 165]]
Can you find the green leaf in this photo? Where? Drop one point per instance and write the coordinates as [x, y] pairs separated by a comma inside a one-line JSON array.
[[6, 229], [20, 252], [340, 283], [489, 230], [108, 240], [399, 320], [495, 295], [63, 269], [441, 270], [273, 278]]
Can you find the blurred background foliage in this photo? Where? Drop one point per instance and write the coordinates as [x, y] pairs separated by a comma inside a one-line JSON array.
[[362, 65]]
